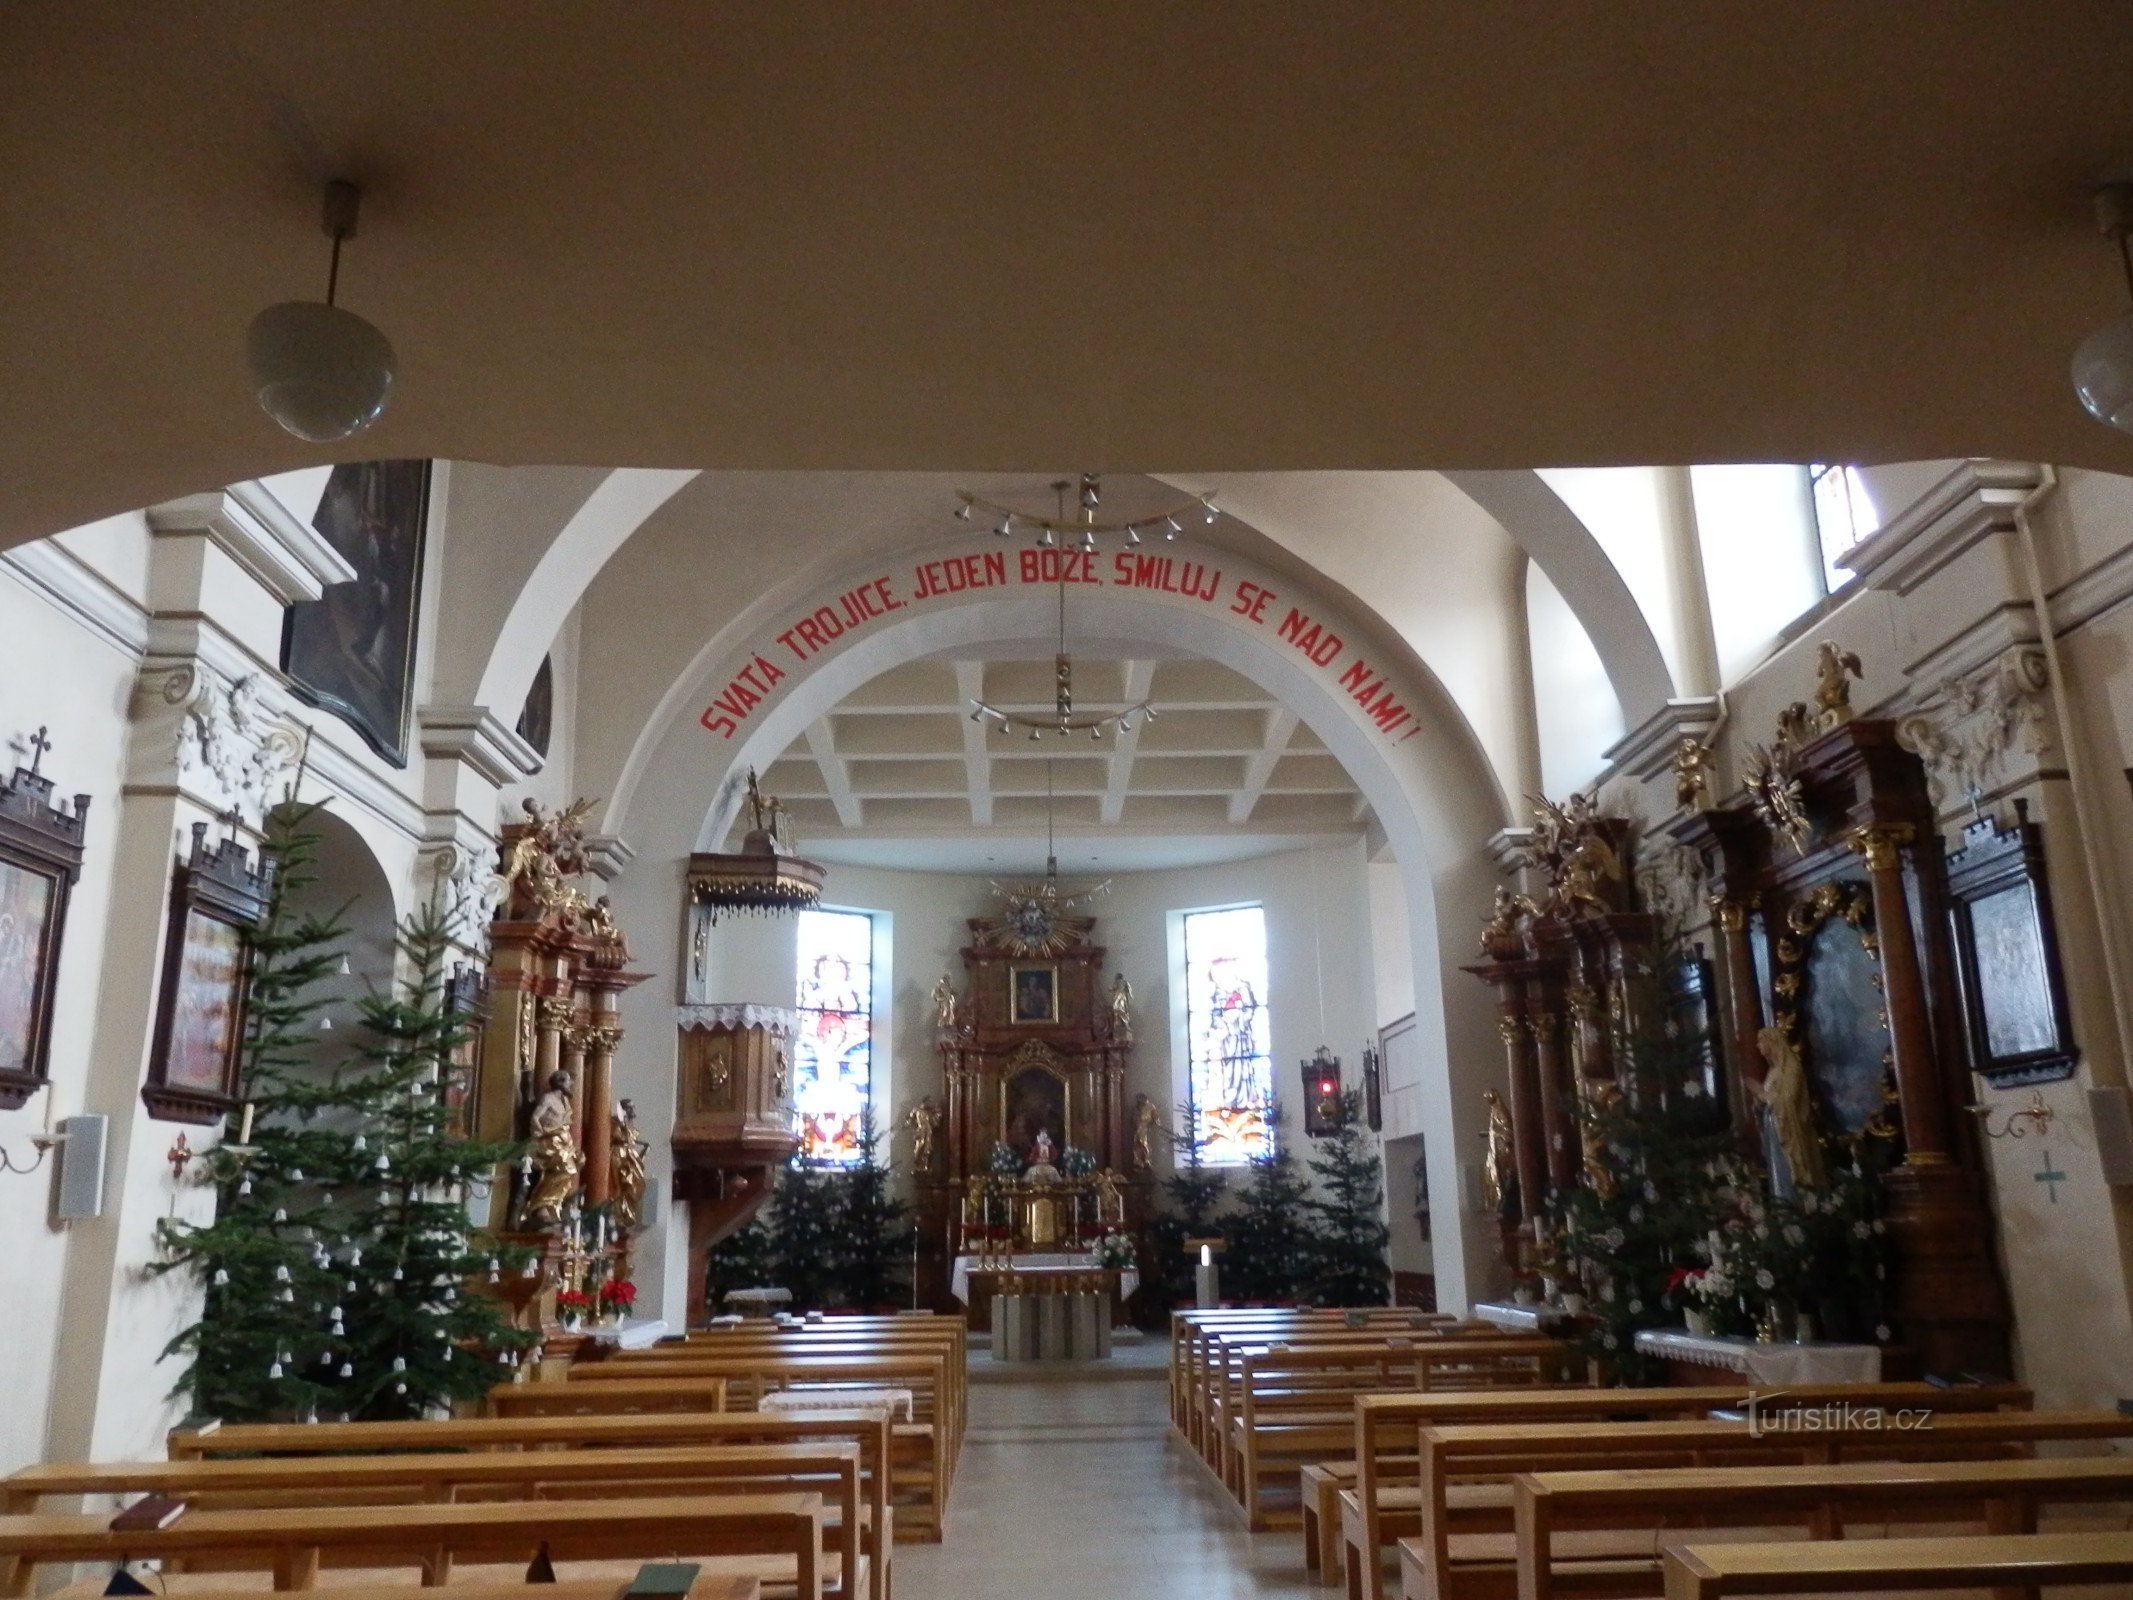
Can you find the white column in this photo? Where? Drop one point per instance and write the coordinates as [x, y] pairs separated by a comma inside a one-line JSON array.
[[1695, 642]]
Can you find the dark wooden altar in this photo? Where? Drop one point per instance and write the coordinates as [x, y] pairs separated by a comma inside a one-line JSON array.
[[1827, 887], [1033, 1052]]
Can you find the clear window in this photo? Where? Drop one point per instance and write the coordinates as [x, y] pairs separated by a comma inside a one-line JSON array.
[[1226, 1026], [1844, 515], [833, 1065]]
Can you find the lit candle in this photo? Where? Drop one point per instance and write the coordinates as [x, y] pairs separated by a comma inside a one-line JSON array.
[[244, 1127]]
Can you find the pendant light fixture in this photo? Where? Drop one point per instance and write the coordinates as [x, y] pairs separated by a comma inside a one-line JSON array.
[[2103, 362], [318, 369]]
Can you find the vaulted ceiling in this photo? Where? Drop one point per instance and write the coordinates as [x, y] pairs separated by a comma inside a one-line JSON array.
[[899, 775], [964, 235]]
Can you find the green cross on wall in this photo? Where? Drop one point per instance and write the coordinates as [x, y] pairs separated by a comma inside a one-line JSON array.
[[2051, 1177]]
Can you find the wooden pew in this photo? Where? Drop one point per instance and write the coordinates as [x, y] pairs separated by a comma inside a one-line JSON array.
[[568, 1399], [830, 1467], [1194, 1333], [1294, 1405], [295, 1542], [218, 1586], [1466, 1545], [549, 1434], [1898, 1566], [1386, 1423], [1816, 1500], [921, 1465]]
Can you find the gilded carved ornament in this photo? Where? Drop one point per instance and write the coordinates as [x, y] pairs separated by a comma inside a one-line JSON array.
[[1835, 667], [1878, 844]]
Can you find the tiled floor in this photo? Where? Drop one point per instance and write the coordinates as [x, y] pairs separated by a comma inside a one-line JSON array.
[[1075, 1489]]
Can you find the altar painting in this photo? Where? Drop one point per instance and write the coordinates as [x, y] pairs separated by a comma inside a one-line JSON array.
[[1034, 1101], [26, 900], [1228, 1032], [833, 1055]]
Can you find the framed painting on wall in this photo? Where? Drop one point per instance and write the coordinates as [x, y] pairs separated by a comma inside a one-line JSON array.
[[352, 650], [40, 859], [2007, 955], [217, 899], [1032, 992]]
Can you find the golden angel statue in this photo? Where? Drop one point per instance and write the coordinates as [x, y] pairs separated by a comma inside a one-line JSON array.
[[1791, 1113], [554, 1156], [944, 1004], [1499, 1172], [1835, 667], [1121, 1007], [536, 870], [924, 1121], [1692, 774], [627, 1149]]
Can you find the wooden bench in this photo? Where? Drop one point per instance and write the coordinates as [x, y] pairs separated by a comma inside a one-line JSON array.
[[551, 1435], [830, 1467], [1195, 1334], [647, 1394], [1294, 1405], [219, 1586], [1372, 1517], [295, 1542], [921, 1463], [1817, 1501], [1898, 1566], [1467, 1546]]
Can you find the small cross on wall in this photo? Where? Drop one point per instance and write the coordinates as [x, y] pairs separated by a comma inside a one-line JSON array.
[[2051, 1177], [39, 743]]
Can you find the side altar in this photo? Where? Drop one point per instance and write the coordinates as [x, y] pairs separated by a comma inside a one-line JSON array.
[[1031, 1150]]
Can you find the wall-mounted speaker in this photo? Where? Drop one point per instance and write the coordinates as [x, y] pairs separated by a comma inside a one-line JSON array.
[[81, 1167], [2111, 1110]]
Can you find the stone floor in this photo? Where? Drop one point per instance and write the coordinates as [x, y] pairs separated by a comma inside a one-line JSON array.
[[1076, 1488]]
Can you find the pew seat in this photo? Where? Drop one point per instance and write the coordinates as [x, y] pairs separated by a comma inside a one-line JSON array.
[[1898, 1566]]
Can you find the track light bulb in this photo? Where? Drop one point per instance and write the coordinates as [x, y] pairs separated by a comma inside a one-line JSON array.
[[1006, 527], [962, 512], [1171, 528], [1133, 534]]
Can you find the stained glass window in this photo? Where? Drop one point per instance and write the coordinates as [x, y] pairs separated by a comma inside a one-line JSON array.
[[1226, 1025], [833, 1060], [1844, 515]]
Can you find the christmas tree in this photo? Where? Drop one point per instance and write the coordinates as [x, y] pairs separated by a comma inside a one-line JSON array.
[[805, 1227], [1272, 1256], [1194, 1191], [873, 1251], [1351, 1237], [747, 1258], [335, 1265]]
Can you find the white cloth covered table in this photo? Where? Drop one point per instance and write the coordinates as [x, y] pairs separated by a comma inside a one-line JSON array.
[[1035, 1265], [1766, 1363], [840, 1397], [630, 1335]]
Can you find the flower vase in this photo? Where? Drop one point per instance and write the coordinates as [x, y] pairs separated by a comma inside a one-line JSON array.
[[1699, 1322], [570, 1323]]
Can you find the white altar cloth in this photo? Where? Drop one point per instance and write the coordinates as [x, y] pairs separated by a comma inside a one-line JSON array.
[[629, 1335], [840, 1397], [1766, 1363], [1058, 1261]]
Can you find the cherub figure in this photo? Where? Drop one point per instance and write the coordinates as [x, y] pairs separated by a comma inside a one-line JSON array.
[[1692, 774], [1835, 667]]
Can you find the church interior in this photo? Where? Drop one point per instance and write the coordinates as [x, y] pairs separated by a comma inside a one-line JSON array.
[[1176, 802]]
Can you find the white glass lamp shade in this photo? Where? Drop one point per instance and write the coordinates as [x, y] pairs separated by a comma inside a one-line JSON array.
[[2103, 374], [321, 372]]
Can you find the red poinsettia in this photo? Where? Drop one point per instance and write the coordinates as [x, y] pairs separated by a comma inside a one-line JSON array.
[[572, 1300], [617, 1294]]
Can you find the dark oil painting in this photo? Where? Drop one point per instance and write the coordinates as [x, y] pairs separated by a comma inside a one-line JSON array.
[[352, 650]]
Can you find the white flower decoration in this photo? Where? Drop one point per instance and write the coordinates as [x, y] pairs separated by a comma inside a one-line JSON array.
[[1764, 1278]]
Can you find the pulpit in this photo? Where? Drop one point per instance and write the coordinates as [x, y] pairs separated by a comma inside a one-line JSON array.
[[1031, 1156]]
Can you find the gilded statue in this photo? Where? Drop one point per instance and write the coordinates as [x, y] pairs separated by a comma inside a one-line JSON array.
[[767, 816], [555, 1153], [924, 1121], [627, 1149], [1110, 1200], [1775, 790], [1146, 1120], [1835, 667], [1570, 847], [1785, 1099], [1121, 1007], [1598, 1097], [1499, 1170], [1692, 774], [541, 861], [1500, 935], [944, 1004]]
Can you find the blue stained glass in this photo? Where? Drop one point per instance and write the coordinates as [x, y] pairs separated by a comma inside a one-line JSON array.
[[1226, 1020], [833, 1058]]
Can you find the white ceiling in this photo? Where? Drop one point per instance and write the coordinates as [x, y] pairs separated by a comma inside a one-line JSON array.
[[898, 775]]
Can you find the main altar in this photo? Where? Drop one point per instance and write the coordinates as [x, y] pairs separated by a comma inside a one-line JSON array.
[[1034, 1176]]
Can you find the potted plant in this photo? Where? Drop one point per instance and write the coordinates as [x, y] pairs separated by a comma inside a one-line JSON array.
[[572, 1305], [617, 1296]]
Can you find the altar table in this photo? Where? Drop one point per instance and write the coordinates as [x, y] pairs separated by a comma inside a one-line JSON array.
[[975, 1280], [1816, 1362]]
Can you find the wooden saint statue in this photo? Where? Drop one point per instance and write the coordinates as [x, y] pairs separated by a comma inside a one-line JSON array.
[[555, 1154], [627, 1151], [1789, 1109]]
